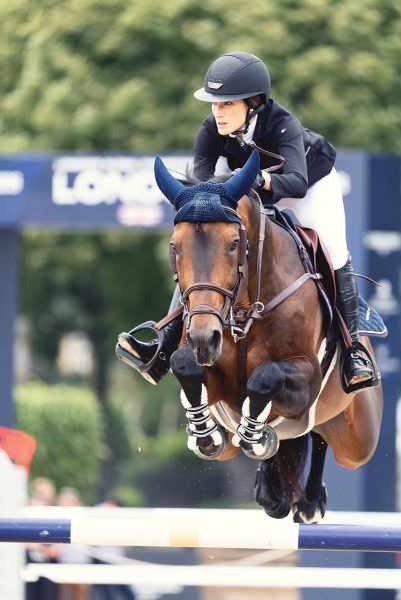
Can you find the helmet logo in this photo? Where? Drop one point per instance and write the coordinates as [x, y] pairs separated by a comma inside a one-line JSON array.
[[214, 85]]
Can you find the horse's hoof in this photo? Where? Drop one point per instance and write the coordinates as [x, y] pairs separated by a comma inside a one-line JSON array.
[[311, 510], [264, 448], [210, 447], [281, 511]]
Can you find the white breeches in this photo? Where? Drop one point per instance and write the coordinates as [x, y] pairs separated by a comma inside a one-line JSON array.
[[322, 209]]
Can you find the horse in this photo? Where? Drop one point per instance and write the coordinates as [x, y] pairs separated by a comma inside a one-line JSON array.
[[250, 359]]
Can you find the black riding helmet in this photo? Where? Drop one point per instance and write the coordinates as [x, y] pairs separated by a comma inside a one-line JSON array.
[[235, 76]]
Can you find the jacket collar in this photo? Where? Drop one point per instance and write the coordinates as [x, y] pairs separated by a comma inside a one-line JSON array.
[[260, 128]]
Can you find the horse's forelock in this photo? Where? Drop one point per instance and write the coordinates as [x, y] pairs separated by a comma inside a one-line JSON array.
[[191, 179], [206, 200]]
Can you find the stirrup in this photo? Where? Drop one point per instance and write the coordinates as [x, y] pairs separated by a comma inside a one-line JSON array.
[[145, 369], [374, 380]]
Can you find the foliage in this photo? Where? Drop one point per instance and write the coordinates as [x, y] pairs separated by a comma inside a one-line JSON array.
[[95, 283], [98, 284], [67, 424], [107, 74]]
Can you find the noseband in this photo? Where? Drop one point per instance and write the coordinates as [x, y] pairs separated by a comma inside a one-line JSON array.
[[225, 314]]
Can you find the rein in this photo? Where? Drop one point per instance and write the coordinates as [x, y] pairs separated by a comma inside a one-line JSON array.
[[241, 321], [280, 158], [258, 308]]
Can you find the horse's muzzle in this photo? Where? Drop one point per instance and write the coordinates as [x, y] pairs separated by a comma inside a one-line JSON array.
[[206, 344]]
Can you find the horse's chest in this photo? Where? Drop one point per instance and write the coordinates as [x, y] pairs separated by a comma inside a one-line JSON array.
[[224, 387], [227, 399]]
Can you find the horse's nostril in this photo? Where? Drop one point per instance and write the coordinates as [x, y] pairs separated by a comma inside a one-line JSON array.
[[215, 340], [206, 345]]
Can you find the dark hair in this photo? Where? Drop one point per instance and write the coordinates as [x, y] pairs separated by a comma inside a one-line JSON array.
[[255, 101], [191, 178]]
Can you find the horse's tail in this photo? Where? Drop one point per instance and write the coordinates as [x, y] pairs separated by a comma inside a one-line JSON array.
[[291, 459]]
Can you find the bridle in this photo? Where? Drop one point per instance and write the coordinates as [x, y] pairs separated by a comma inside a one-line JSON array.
[[226, 313], [241, 321], [229, 295]]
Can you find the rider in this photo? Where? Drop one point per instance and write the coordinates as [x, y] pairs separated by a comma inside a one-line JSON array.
[[303, 178]]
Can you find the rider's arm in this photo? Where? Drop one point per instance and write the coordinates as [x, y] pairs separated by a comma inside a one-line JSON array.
[[292, 182]]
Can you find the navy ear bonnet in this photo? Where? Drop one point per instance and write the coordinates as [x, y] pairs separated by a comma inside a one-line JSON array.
[[204, 202]]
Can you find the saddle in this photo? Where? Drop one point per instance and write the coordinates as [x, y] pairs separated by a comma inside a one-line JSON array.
[[314, 256], [318, 261]]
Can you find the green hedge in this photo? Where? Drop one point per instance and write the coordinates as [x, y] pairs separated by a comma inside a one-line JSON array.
[[67, 424]]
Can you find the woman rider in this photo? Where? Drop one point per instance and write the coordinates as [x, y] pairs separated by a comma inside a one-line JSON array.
[[238, 87]]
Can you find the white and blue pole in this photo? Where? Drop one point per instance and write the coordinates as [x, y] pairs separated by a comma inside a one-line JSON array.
[[193, 534]]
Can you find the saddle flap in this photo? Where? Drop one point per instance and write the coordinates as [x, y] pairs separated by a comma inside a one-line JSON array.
[[320, 260]]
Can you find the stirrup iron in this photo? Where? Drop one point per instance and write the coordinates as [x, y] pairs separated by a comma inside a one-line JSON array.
[[373, 381]]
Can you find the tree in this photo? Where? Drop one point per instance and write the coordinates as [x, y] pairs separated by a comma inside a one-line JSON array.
[[99, 284], [96, 283], [111, 75]]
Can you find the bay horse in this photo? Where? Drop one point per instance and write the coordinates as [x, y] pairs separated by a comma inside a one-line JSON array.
[[249, 363]]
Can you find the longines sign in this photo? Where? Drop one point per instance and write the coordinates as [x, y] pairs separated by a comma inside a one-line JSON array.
[[93, 191]]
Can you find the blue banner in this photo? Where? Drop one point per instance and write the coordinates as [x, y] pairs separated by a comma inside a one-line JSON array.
[[84, 191]]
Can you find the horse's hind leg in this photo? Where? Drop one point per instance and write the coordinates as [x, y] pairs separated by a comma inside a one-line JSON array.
[[354, 433], [206, 438], [313, 507]]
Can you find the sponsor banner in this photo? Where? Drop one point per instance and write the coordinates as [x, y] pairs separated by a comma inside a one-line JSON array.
[[84, 191]]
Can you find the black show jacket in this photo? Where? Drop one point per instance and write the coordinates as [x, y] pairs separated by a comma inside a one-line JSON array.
[[308, 155]]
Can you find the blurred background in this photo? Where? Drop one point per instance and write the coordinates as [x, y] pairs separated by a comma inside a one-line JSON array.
[[111, 76]]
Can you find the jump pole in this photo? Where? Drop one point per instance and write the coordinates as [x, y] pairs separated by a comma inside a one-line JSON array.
[[192, 533]]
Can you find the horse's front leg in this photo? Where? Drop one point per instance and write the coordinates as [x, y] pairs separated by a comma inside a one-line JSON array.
[[206, 439], [291, 386]]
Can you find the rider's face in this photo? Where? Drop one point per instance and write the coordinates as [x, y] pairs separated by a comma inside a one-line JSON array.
[[230, 116]]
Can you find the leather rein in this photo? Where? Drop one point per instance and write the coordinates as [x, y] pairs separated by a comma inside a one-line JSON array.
[[241, 321]]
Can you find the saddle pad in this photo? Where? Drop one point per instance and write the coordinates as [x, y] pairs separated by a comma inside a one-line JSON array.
[[370, 322]]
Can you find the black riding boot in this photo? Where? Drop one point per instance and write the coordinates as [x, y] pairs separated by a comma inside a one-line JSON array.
[[356, 368], [151, 359]]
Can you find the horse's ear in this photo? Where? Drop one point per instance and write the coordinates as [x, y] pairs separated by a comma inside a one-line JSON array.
[[240, 184], [167, 184]]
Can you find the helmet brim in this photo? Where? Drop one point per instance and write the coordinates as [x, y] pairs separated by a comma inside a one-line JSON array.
[[205, 96]]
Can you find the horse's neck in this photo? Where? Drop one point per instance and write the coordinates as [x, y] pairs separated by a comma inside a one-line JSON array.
[[280, 258]]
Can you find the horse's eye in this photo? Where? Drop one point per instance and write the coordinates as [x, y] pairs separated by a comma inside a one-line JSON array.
[[234, 245]]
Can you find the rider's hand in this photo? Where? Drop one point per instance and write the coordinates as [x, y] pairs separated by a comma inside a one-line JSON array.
[[262, 181], [259, 181]]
